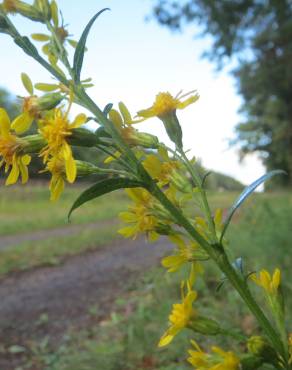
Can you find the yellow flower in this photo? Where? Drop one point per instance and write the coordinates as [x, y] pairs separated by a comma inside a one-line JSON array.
[[56, 129], [179, 318], [56, 167], [190, 252], [164, 108], [139, 216], [269, 283], [218, 360], [124, 123], [165, 104], [10, 147]]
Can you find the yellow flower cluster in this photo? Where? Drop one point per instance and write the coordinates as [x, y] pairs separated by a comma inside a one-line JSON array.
[[10, 151], [217, 360], [269, 283], [55, 130]]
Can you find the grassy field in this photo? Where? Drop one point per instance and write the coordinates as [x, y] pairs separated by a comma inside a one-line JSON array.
[[128, 338], [27, 209]]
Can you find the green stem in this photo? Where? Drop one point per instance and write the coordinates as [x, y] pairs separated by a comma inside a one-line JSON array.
[[198, 181]]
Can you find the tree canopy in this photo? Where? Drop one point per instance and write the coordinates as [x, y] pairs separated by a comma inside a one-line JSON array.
[[258, 33]]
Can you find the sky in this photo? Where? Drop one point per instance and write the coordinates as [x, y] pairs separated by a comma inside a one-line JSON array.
[[132, 60]]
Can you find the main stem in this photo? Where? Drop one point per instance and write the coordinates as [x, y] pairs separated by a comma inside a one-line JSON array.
[[218, 255]]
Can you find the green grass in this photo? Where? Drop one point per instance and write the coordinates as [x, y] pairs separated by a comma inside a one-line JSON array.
[[127, 339], [54, 250], [28, 208]]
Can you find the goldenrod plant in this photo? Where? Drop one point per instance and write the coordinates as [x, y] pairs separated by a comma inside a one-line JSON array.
[[166, 190]]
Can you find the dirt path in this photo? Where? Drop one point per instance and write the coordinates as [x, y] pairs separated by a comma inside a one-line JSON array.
[[65, 293], [9, 240]]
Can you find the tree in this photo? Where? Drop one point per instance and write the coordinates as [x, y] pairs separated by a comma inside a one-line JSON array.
[[258, 33]]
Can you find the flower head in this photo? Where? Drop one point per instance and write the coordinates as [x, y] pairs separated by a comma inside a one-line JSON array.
[[269, 283], [165, 107], [56, 167], [56, 129], [139, 216], [218, 360], [180, 317], [10, 151], [186, 252], [165, 104]]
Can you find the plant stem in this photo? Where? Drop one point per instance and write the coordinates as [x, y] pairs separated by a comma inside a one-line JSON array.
[[205, 204]]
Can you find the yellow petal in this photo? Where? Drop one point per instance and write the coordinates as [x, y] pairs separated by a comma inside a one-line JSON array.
[[24, 172], [14, 174], [71, 170], [116, 118], [276, 279], [25, 159], [40, 37], [56, 187], [46, 87], [165, 340], [4, 123], [22, 123], [26, 81], [125, 113], [128, 231], [55, 13], [79, 121], [190, 100]]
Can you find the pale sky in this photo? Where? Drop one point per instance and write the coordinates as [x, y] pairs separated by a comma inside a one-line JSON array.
[[131, 60]]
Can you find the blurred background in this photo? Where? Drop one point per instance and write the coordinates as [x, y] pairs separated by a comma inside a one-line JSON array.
[[78, 297]]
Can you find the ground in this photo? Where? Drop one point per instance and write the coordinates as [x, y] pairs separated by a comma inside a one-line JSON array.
[[76, 297]]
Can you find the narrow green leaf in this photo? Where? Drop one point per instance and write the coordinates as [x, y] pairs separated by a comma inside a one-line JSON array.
[[246, 192], [103, 187], [80, 48]]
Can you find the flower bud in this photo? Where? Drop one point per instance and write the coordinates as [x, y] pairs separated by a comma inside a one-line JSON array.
[[85, 168], [203, 325], [44, 7], [146, 140], [260, 347], [49, 101], [163, 229], [33, 144], [83, 137], [20, 7], [173, 128], [181, 182]]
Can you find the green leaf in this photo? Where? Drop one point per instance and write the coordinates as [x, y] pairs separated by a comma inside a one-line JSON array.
[[246, 192], [103, 187], [80, 48]]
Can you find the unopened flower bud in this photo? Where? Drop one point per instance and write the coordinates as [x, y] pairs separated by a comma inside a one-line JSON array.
[[173, 128], [44, 7], [134, 137], [163, 229], [34, 105], [33, 144], [20, 7], [85, 168], [260, 347], [49, 101], [203, 325], [83, 137], [181, 182]]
